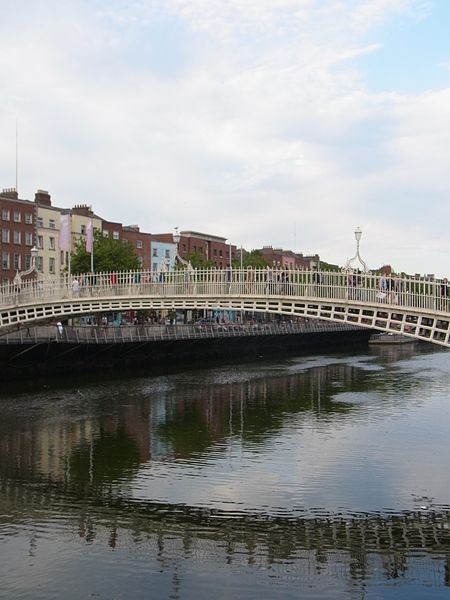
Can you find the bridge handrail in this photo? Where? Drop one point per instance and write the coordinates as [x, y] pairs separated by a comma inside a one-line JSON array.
[[412, 292]]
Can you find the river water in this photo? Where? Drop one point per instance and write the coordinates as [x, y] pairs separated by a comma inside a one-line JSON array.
[[320, 477]]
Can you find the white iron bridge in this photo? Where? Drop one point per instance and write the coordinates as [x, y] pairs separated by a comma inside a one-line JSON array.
[[415, 307]]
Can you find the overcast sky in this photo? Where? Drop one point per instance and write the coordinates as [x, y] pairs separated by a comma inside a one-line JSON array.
[[269, 122]]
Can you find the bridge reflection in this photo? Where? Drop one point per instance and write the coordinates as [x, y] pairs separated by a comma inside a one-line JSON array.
[[349, 546]]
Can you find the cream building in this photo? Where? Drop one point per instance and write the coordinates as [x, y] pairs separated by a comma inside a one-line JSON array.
[[51, 260]]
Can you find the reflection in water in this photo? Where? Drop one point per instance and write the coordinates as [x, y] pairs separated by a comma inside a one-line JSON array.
[[233, 482]]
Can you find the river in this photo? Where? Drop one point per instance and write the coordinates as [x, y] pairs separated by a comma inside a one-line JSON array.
[[321, 477]]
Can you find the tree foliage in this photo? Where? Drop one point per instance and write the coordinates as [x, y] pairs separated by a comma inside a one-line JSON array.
[[198, 260], [252, 259], [109, 255]]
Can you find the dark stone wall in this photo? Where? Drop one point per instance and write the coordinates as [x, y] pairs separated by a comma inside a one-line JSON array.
[[26, 361]]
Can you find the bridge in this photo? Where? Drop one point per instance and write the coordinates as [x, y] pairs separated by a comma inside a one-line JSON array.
[[415, 307]]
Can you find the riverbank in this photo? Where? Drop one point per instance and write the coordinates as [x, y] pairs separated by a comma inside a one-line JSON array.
[[51, 358]]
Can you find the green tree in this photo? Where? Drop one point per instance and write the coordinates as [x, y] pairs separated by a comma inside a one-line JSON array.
[[198, 260], [251, 259], [109, 255]]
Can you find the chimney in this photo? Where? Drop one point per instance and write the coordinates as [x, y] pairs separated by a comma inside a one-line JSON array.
[[42, 197], [10, 193], [83, 210]]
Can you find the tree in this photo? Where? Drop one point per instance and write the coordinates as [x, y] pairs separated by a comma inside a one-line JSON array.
[[198, 260], [109, 255], [252, 259]]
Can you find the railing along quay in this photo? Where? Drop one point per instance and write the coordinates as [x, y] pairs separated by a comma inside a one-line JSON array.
[[93, 334]]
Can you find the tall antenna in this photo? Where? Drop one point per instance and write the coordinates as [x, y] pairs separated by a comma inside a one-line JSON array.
[[295, 236], [17, 158]]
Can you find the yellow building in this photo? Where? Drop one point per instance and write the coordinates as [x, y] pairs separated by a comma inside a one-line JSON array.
[[51, 259]]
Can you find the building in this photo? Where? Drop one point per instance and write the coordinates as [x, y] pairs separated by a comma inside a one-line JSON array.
[[287, 259], [17, 218], [140, 241], [49, 260], [211, 247], [162, 253]]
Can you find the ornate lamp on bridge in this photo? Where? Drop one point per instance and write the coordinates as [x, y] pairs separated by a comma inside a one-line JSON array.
[[357, 257], [17, 281], [176, 238]]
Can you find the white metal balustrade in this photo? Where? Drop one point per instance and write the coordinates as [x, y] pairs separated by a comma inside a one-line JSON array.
[[417, 307]]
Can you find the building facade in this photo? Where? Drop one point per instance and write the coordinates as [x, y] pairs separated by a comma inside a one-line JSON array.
[[287, 259], [163, 255], [18, 229], [211, 247]]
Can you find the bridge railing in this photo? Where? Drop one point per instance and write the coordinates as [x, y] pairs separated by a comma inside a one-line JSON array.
[[419, 293]]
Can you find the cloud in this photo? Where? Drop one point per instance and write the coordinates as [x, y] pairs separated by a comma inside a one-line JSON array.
[[246, 119]]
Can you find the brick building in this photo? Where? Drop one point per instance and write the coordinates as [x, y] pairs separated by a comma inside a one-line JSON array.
[[287, 259], [140, 241], [18, 229], [211, 247]]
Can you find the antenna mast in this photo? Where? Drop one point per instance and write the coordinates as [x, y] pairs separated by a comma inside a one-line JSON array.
[[17, 158]]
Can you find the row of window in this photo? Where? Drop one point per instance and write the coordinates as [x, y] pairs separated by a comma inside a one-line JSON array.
[[40, 242], [17, 216], [17, 237], [51, 223], [18, 261], [116, 236], [166, 253]]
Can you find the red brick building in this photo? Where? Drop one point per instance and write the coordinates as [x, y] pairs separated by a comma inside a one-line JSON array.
[[140, 241], [211, 247], [287, 259], [18, 231]]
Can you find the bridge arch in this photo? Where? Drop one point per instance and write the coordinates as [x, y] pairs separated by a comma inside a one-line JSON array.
[[415, 308]]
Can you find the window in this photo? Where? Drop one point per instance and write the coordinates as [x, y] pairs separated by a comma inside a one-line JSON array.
[[28, 218], [5, 260], [39, 222], [28, 238], [105, 233], [61, 258], [39, 263], [51, 264], [116, 235], [141, 260], [17, 237], [16, 261], [51, 243], [155, 267], [167, 254], [51, 223], [5, 236], [155, 252], [40, 241], [138, 243], [83, 229], [184, 247], [5, 214], [27, 261], [17, 217], [215, 252]]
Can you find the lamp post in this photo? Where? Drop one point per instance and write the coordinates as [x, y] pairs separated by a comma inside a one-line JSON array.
[[176, 238], [348, 266], [17, 281]]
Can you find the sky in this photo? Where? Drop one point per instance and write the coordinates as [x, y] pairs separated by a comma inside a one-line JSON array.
[[269, 122]]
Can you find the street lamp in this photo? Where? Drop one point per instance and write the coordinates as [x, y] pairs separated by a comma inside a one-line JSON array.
[[176, 238], [348, 266], [17, 281]]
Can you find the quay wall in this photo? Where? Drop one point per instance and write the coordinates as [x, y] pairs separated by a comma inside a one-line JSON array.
[[29, 360]]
